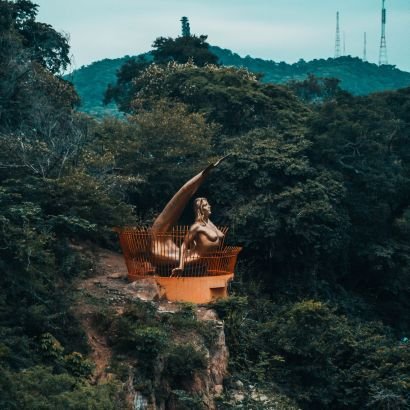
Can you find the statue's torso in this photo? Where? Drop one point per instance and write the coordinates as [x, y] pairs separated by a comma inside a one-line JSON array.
[[207, 239]]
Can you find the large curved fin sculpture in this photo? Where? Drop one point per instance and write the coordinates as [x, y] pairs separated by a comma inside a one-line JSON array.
[[174, 208], [163, 247]]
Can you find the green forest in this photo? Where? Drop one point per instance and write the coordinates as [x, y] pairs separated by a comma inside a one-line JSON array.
[[356, 76], [316, 189]]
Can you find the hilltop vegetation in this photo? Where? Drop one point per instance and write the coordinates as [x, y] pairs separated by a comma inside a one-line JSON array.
[[356, 76], [316, 189], [91, 82]]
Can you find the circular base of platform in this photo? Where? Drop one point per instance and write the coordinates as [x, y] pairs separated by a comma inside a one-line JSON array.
[[203, 289]]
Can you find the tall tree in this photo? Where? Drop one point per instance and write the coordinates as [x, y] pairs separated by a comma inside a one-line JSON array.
[[233, 98], [123, 91], [183, 49]]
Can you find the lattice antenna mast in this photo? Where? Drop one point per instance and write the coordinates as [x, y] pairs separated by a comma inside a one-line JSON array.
[[337, 41], [383, 47], [186, 30], [344, 43], [364, 47]]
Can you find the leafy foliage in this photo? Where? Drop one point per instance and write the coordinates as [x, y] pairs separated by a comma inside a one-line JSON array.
[[356, 76], [324, 358], [162, 365], [47, 160], [186, 401], [180, 50], [316, 188], [124, 88], [42, 43], [39, 388], [366, 141], [352, 74], [183, 49], [232, 98], [314, 89], [182, 362]]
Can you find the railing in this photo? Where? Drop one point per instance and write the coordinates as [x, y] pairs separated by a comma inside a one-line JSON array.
[[148, 254]]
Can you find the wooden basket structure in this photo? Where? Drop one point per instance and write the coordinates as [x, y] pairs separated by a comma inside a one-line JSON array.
[[156, 255]]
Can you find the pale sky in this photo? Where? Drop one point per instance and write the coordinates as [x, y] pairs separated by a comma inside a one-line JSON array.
[[279, 30]]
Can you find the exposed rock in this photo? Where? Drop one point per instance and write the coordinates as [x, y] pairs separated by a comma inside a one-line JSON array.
[[259, 396], [254, 398], [109, 287], [168, 307], [218, 390], [117, 275], [218, 362], [145, 289], [206, 314], [239, 396], [140, 402], [210, 383], [239, 384]]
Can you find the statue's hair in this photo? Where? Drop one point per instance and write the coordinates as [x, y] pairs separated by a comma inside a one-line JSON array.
[[199, 215]]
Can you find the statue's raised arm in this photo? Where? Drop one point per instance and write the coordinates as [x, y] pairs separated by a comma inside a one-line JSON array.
[[173, 210]]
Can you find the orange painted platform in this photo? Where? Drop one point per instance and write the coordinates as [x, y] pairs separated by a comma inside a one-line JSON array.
[[203, 289]]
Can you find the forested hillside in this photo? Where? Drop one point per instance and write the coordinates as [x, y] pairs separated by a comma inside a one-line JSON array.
[[316, 189], [91, 82], [356, 76]]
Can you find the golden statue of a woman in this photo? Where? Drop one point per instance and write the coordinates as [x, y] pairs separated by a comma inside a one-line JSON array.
[[203, 236]]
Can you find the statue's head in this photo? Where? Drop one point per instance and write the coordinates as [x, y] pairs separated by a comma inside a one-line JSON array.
[[202, 209]]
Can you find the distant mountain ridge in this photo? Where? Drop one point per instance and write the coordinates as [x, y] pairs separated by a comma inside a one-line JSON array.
[[356, 76]]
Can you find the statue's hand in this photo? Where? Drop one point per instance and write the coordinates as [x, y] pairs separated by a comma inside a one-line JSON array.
[[220, 160], [176, 271]]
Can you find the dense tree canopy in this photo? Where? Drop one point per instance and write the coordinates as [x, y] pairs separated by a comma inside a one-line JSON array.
[[40, 41], [50, 186], [183, 49], [316, 189], [317, 192], [165, 50], [124, 89], [230, 97]]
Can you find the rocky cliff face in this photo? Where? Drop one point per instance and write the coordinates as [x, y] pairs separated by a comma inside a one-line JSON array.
[[165, 355], [210, 383]]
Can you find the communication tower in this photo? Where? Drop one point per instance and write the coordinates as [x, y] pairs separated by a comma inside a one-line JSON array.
[[337, 41], [364, 47], [344, 43], [383, 47]]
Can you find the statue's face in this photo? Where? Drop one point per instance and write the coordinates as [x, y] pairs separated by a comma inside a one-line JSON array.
[[206, 208]]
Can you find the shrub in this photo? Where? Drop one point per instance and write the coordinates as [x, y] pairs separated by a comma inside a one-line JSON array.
[[38, 388], [185, 401], [182, 362], [324, 358]]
